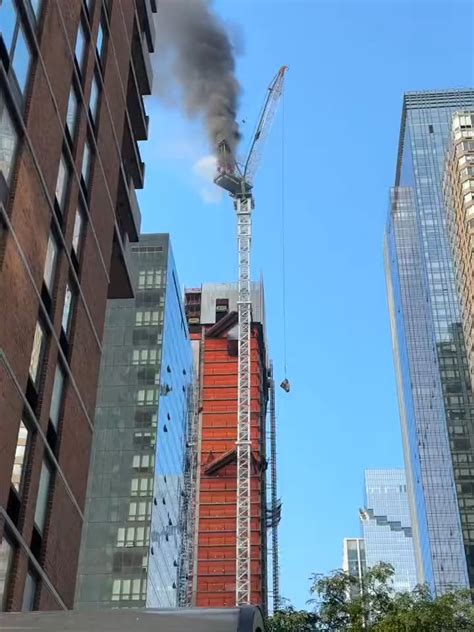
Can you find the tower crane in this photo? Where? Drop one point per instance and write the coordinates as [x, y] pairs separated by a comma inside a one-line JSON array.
[[238, 181]]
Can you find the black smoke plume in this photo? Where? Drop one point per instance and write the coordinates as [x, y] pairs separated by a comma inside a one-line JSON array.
[[199, 57]]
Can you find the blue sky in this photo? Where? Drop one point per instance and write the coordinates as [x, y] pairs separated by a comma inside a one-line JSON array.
[[350, 63]]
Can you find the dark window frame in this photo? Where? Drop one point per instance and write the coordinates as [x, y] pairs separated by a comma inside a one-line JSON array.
[[26, 22]]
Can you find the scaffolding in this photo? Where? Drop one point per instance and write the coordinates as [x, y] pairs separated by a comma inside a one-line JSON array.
[[274, 511], [188, 498]]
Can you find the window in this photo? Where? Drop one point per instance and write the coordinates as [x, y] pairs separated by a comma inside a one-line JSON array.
[[20, 457], [128, 589], [78, 234], [145, 356], [94, 98], [29, 594], [80, 51], [50, 264], [133, 536], [144, 439], [9, 23], [37, 353], [8, 140], [72, 112], [468, 198], [16, 43], [57, 396], [86, 164], [100, 45], [144, 319], [141, 487], [6, 556], [150, 279], [143, 461], [147, 397], [62, 183], [43, 494], [139, 510], [67, 309]]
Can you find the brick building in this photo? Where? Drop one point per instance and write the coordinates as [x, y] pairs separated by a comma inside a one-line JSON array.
[[72, 76], [212, 318]]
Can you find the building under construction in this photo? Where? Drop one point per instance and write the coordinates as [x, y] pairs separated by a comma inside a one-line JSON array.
[[213, 323]]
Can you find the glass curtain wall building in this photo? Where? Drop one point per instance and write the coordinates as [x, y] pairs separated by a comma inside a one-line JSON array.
[[133, 535], [435, 397], [353, 562], [386, 526]]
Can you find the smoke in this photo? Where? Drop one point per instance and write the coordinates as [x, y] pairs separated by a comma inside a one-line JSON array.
[[195, 52]]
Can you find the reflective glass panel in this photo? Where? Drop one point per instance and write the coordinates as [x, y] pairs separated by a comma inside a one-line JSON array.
[[29, 593], [94, 98], [8, 20], [67, 310], [57, 396], [80, 51], [50, 264], [42, 500], [20, 456], [8, 140], [78, 232], [61, 183], [6, 555], [21, 59], [37, 352], [100, 40], [86, 163], [72, 112]]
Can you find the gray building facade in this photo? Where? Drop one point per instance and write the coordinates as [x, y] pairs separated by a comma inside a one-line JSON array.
[[132, 541], [435, 397], [386, 526]]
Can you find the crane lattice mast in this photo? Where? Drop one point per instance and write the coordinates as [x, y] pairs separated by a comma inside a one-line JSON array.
[[238, 182]]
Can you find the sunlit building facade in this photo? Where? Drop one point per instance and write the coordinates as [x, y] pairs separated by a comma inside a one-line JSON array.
[[459, 198], [386, 526], [353, 563], [132, 541], [434, 390]]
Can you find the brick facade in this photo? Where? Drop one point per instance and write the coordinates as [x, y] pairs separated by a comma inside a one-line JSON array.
[[28, 216]]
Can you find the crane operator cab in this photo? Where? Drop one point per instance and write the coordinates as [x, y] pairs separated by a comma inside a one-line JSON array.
[[228, 176]]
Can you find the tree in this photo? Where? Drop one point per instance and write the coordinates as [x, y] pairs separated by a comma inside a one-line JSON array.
[[377, 608], [291, 620]]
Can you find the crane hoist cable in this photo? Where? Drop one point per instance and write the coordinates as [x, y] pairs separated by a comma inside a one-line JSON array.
[[283, 230], [285, 385]]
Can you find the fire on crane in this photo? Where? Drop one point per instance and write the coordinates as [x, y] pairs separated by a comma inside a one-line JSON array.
[[238, 182]]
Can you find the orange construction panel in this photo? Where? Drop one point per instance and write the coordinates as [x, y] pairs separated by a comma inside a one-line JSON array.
[[216, 541]]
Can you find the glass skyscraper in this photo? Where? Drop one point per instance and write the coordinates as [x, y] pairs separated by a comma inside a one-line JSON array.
[[353, 563], [435, 397], [132, 540], [386, 526]]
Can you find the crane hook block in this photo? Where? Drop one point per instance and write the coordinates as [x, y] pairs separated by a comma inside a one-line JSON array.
[[285, 385]]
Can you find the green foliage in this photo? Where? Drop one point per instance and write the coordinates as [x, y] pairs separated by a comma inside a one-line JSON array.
[[377, 608], [291, 620]]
